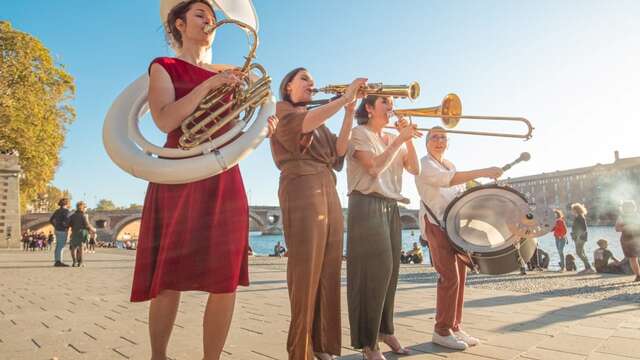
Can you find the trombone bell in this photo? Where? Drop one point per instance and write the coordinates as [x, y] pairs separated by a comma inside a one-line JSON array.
[[450, 112]]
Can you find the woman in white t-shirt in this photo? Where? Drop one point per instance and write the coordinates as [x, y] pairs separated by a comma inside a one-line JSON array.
[[375, 163]]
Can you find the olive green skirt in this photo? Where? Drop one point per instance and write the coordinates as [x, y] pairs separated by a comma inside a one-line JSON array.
[[79, 237]]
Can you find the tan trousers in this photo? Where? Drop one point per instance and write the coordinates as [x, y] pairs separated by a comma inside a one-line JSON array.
[[313, 231]]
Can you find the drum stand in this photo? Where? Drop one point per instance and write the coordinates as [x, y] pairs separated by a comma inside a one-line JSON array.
[[472, 264], [516, 244]]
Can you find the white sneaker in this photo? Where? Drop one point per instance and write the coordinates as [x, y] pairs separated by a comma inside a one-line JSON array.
[[449, 341], [470, 340]]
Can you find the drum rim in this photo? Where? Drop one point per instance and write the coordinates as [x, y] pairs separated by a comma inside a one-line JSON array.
[[499, 252]]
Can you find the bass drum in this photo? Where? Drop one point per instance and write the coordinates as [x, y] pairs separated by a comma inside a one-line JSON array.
[[477, 224]]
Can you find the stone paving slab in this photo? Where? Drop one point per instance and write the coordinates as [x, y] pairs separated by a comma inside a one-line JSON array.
[[84, 313]]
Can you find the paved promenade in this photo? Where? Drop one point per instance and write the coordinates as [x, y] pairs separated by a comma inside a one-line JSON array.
[[84, 313]]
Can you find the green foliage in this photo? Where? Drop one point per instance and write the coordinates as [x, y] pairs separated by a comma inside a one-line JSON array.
[[134, 207], [34, 108], [105, 205], [47, 201]]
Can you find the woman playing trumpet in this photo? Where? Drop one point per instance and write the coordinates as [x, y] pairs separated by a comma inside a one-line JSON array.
[[307, 153], [375, 163], [193, 236]]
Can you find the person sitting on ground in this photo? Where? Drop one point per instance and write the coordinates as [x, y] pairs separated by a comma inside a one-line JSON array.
[[539, 261], [278, 250], [404, 259], [570, 262], [415, 255], [601, 259], [628, 224]]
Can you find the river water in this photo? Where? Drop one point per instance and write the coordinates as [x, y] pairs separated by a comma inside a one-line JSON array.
[[263, 244]]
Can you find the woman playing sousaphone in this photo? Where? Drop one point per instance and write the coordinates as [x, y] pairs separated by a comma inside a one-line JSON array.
[[307, 153], [375, 163], [193, 236]]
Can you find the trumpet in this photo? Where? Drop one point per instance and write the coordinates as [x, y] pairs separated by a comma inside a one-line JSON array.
[[411, 91], [450, 112]]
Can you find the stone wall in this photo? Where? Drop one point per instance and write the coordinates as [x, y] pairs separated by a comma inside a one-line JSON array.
[[9, 201]]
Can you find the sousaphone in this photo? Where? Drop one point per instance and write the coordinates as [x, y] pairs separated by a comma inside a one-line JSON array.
[[202, 153]]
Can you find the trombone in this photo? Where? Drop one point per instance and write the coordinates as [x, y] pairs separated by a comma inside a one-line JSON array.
[[450, 111], [411, 91]]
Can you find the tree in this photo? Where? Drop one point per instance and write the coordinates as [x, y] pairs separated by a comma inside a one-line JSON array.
[[34, 109], [47, 201], [134, 207], [105, 205]]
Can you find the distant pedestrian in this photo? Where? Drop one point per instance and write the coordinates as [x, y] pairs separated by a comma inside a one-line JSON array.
[[25, 241], [92, 242], [49, 240], [80, 229], [60, 222], [560, 233], [629, 225], [579, 235]]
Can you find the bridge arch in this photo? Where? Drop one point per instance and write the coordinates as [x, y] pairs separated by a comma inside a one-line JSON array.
[[408, 221], [101, 222], [117, 228], [36, 224], [255, 222]]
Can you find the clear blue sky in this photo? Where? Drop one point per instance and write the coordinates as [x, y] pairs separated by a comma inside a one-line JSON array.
[[571, 67]]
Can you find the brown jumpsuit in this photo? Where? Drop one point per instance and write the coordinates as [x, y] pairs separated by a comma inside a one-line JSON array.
[[313, 231]]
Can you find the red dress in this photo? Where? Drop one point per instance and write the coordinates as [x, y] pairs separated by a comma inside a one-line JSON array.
[[192, 236]]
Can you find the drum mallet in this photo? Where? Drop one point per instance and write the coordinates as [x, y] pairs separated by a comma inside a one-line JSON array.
[[525, 156]]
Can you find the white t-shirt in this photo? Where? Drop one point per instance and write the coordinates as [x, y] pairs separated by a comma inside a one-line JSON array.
[[388, 183], [434, 189]]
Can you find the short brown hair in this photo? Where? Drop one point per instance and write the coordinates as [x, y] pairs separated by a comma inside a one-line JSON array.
[[63, 202], [180, 12]]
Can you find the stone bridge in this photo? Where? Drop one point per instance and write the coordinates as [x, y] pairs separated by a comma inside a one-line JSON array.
[[263, 219]]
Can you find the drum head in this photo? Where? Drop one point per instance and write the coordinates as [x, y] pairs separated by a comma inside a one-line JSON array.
[[477, 221]]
